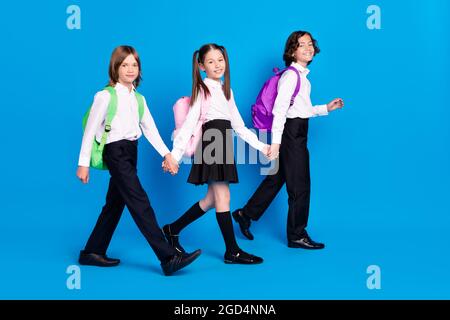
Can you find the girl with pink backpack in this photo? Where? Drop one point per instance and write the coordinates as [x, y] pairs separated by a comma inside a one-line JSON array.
[[213, 113]]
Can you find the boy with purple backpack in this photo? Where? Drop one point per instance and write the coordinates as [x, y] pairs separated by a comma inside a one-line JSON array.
[[284, 107]]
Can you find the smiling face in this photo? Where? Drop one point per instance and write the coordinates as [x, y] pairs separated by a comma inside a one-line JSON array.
[[128, 71], [305, 51], [214, 64]]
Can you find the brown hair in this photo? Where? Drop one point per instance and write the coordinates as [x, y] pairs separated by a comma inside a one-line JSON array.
[[197, 81], [292, 45], [118, 55]]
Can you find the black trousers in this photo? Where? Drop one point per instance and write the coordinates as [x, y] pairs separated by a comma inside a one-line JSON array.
[[125, 189], [292, 169]]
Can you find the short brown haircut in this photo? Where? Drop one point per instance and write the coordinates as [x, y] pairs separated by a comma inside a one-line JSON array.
[[118, 55]]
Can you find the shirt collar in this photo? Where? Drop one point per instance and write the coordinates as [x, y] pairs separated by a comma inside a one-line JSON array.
[[121, 88], [212, 83], [300, 68]]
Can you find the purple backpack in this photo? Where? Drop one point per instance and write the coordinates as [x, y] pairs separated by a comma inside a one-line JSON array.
[[262, 109]]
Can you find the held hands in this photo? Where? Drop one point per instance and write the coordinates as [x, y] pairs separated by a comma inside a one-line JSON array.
[[337, 103], [170, 164], [272, 152], [83, 174]]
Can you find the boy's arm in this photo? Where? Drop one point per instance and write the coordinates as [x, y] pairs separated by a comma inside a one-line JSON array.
[[320, 110], [286, 88], [151, 132], [96, 116]]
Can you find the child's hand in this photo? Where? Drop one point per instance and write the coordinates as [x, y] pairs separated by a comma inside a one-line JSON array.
[[337, 103], [169, 167], [83, 174], [274, 151], [164, 165], [170, 164], [266, 151], [271, 152]]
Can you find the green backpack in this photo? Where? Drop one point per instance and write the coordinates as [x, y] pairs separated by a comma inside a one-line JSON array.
[[97, 148]]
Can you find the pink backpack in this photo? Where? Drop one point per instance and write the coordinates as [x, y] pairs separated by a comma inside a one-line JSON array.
[[180, 110]]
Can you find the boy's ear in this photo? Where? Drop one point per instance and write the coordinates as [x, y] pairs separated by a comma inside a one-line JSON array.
[[201, 66]]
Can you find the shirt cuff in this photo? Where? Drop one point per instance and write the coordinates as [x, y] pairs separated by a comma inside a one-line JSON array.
[[276, 137], [84, 161], [164, 150], [261, 146], [177, 154], [322, 109]]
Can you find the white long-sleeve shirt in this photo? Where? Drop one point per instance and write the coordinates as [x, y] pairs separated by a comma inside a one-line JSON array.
[[124, 126], [302, 107], [219, 108]]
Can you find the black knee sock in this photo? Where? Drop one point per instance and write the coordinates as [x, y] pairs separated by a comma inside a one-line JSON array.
[[226, 226], [189, 216]]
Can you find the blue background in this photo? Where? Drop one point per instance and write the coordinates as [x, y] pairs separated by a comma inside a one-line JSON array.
[[380, 173]]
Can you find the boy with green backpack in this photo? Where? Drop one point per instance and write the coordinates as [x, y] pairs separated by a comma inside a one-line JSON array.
[[97, 148], [112, 127]]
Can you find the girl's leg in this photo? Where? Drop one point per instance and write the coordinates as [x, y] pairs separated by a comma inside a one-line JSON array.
[[221, 193], [233, 253], [172, 231], [208, 201], [193, 213]]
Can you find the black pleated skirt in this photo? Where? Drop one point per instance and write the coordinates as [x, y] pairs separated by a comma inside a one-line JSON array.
[[213, 160]]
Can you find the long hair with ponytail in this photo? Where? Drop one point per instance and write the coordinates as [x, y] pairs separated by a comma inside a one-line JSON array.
[[198, 85]]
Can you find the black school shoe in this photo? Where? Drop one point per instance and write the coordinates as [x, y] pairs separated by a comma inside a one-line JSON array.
[[99, 260], [305, 242], [241, 257], [179, 261], [244, 223]]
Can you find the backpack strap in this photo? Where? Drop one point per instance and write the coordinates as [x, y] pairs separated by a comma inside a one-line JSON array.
[[204, 106], [110, 113], [297, 87], [140, 101]]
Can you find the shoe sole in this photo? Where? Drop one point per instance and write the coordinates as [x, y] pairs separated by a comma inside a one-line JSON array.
[[233, 262], [98, 265], [306, 248]]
